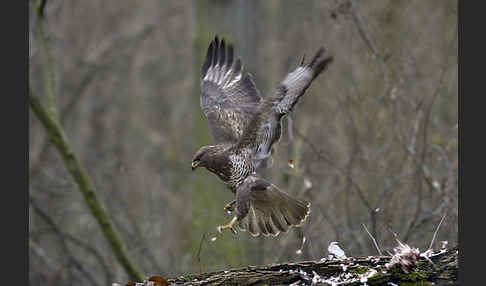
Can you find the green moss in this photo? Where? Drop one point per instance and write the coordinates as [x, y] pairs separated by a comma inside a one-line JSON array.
[[359, 270], [416, 277], [377, 278], [420, 263], [411, 276]]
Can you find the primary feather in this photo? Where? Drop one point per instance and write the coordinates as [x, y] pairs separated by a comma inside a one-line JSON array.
[[229, 98]]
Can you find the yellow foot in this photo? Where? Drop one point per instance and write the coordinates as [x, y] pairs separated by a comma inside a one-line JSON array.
[[229, 207], [228, 226]]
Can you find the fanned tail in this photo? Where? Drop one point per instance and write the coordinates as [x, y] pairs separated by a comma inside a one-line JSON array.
[[273, 211]]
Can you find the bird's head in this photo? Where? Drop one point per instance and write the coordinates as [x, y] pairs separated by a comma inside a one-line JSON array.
[[202, 157]]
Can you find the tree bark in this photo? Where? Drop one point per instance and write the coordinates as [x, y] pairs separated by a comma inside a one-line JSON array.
[[352, 271]]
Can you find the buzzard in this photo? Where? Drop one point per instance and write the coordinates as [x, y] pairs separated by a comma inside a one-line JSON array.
[[245, 129]]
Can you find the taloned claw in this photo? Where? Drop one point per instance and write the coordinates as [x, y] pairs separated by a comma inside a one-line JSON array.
[[229, 207], [228, 226]]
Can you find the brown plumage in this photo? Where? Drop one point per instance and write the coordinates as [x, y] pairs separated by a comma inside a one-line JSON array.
[[245, 129]]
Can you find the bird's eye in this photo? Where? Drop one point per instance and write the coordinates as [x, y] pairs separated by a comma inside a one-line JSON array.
[[195, 163]]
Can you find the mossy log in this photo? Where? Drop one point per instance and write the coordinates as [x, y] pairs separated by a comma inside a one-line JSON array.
[[350, 271]]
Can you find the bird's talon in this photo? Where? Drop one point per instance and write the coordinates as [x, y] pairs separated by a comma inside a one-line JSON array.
[[228, 226], [223, 227], [229, 207]]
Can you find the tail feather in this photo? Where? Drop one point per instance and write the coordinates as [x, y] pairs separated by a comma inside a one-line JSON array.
[[277, 221], [273, 211]]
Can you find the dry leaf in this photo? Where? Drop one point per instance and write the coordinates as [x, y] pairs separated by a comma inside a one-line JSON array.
[[159, 280]]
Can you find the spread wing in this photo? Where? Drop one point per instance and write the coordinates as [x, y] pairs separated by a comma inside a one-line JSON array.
[[229, 98], [265, 128]]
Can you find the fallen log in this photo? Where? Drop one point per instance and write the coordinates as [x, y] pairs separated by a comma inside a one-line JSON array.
[[439, 268]]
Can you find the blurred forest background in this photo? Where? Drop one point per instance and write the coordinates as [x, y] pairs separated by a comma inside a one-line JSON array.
[[374, 141]]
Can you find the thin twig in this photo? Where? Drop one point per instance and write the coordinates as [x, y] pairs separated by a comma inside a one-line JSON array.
[[101, 63], [374, 240], [322, 156], [41, 7], [426, 121], [71, 259], [436, 230], [367, 39], [199, 251], [48, 263]]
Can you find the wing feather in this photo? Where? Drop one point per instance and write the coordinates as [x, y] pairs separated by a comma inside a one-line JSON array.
[[229, 98], [264, 130]]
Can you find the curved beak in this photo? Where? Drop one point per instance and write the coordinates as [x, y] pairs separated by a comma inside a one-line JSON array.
[[194, 165]]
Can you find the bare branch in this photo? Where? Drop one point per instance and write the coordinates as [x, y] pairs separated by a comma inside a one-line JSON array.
[[363, 31], [421, 174], [103, 62], [322, 156], [49, 66], [374, 240], [199, 251], [72, 260], [41, 7], [39, 251], [435, 233]]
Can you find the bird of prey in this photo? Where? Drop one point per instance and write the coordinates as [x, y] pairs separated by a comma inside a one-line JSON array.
[[245, 128]]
